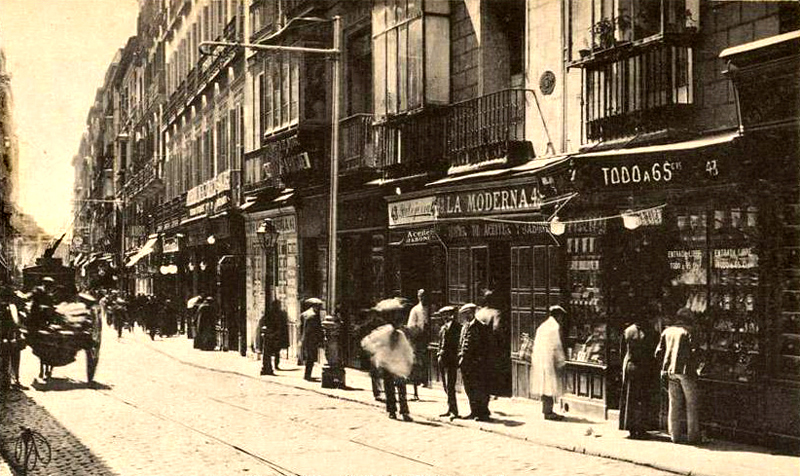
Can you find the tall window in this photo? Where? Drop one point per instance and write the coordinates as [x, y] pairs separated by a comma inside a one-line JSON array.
[[411, 54], [359, 73], [600, 24], [281, 90], [222, 145]]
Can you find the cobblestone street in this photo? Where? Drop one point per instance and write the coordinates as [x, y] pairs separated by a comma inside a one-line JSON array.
[[151, 414]]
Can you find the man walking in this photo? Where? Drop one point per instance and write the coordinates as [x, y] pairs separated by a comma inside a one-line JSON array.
[[678, 366], [474, 357], [447, 357], [547, 362], [311, 334]]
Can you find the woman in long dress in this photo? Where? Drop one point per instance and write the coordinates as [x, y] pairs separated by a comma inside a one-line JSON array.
[[637, 410]]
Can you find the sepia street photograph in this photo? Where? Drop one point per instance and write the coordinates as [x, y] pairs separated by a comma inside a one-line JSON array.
[[400, 237]]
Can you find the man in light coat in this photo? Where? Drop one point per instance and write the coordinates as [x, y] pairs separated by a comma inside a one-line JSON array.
[[678, 366], [417, 331], [547, 362]]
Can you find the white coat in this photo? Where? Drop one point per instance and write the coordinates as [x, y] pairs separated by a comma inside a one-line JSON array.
[[547, 360]]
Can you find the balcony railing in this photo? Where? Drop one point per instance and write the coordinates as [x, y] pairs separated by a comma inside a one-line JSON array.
[[146, 180], [641, 90], [485, 128], [411, 144], [356, 152]]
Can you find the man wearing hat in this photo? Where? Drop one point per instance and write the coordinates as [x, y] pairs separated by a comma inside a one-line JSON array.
[[447, 357], [547, 362], [474, 358], [311, 334], [678, 366]]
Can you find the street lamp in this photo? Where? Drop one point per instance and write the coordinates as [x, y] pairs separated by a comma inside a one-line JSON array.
[[268, 238]]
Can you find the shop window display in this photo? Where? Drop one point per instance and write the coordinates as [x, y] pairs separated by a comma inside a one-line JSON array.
[[717, 275]]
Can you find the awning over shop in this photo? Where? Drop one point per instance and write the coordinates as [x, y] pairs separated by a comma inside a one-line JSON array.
[[145, 250], [699, 162]]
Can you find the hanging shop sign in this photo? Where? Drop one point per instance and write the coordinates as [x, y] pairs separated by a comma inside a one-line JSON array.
[[170, 245], [409, 212]]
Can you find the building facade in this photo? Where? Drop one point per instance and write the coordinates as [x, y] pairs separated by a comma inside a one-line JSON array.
[[605, 155]]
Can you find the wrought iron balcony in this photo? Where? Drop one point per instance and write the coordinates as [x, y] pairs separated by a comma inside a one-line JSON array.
[[411, 143], [638, 89], [145, 182], [356, 150], [170, 212], [487, 128]]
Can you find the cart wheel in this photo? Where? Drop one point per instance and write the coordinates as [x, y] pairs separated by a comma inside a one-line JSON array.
[[93, 352], [92, 359]]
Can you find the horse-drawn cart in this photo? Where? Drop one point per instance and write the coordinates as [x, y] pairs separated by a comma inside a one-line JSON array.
[[58, 322]]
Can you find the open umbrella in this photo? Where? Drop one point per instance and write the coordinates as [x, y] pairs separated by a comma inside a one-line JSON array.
[[192, 302], [391, 304]]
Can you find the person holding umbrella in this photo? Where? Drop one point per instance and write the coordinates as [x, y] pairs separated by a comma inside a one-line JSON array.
[[393, 354], [311, 334]]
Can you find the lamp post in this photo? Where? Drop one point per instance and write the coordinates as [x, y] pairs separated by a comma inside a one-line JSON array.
[[268, 238]]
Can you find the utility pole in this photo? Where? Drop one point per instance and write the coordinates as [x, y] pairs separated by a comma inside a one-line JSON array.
[[338, 66]]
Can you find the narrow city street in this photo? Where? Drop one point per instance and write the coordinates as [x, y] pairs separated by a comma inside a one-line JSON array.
[[149, 414]]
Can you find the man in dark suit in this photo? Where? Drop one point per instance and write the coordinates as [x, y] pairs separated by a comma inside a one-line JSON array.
[[447, 356], [311, 334], [475, 360]]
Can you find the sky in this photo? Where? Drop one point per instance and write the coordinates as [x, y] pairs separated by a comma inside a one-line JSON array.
[[57, 52]]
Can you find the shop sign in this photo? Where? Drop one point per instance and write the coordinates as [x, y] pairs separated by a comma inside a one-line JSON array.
[[209, 189], [659, 172], [654, 173], [521, 198], [200, 209], [651, 217], [170, 245], [685, 260], [418, 236], [285, 224], [417, 210], [735, 258], [592, 225], [495, 230]]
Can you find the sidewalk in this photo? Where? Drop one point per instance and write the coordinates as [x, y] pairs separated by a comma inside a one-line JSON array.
[[515, 418]]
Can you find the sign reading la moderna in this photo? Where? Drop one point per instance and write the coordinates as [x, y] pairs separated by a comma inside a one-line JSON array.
[[514, 199]]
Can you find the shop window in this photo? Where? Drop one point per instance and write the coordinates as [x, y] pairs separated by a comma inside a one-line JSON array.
[[716, 269]]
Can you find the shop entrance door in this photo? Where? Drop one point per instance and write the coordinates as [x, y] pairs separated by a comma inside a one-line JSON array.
[[534, 287]]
